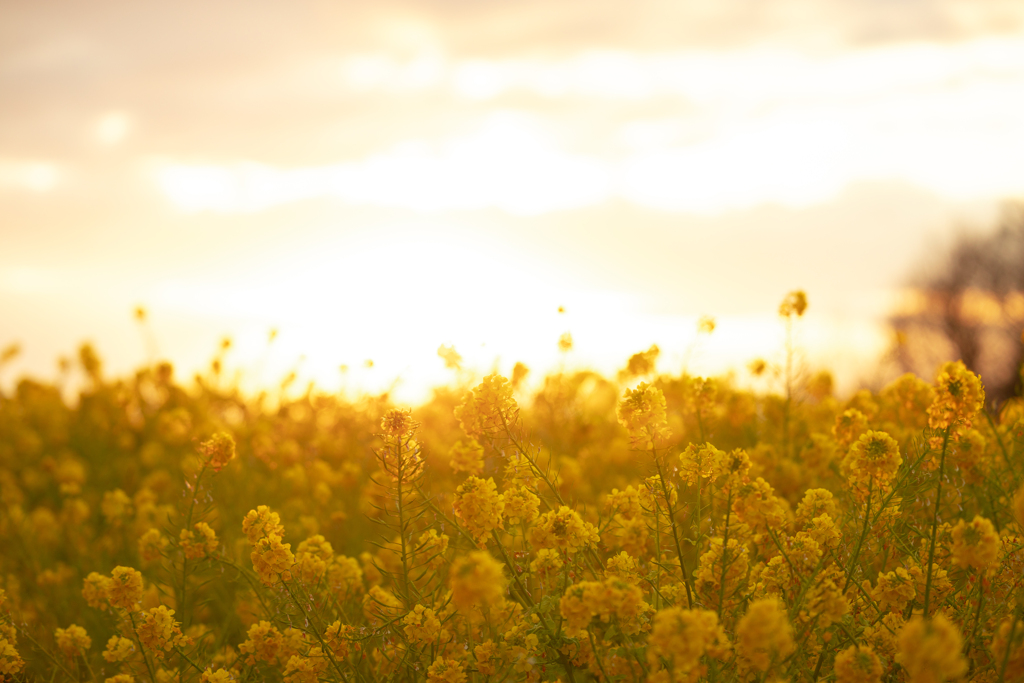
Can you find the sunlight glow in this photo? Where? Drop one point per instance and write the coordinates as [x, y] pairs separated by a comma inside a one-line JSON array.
[[395, 296], [35, 176], [112, 128]]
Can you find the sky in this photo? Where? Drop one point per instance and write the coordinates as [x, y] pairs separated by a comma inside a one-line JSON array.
[[373, 180]]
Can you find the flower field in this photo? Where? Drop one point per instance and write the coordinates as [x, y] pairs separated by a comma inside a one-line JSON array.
[[647, 527]]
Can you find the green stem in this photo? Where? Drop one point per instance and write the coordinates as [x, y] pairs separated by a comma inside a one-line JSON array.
[[863, 535], [185, 614], [935, 523], [142, 650], [46, 652], [316, 632], [675, 532], [526, 596], [401, 527], [725, 554], [1009, 646], [188, 659], [597, 657], [977, 616]]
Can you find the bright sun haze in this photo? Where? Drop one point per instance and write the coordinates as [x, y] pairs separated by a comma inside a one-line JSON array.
[[374, 180]]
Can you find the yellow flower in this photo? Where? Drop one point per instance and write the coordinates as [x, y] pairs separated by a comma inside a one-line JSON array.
[[642, 412], [345, 577], [930, 651], [700, 462], [941, 585], [489, 408], [894, 590], [757, 505], [976, 544], [764, 636], [642, 363], [814, 503], [96, 590], [547, 566], [312, 559], [151, 545], [125, 590], [1018, 506], [431, 547], [401, 457], [339, 639], [261, 523], [905, 402], [467, 457], [873, 461], [272, 560], [159, 632], [421, 625], [446, 671], [264, 644], [652, 495], [849, 425], [398, 422], [72, 640], [521, 506], [218, 676], [588, 599], [623, 567], [858, 664], [476, 580], [959, 396], [217, 451], [10, 661], [563, 529], [120, 678], [487, 656], [680, 637], [306, 669], [825, 603], [713, 564], [197, 545], [625, 503], [118, 649], [380, 605], [795, 303], [479, 505], [824, 531]]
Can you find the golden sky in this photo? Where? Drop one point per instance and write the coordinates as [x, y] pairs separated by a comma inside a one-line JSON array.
[[375, 179]]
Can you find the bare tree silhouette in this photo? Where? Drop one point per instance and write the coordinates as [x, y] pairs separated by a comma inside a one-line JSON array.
[[968, 304]]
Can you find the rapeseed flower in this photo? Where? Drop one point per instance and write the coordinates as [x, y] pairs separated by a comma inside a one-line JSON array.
[[72, 640], [764, 636], [479, 506], [681, 638], [445, 670], [930, 651], [959, 396], [118, 649], [563, 529], [125, 588], [476, 580], [642, 412], [975, 544], [858, 664], [217, 451]]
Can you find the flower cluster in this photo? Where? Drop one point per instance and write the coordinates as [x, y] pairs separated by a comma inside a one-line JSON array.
[[687, 530]]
